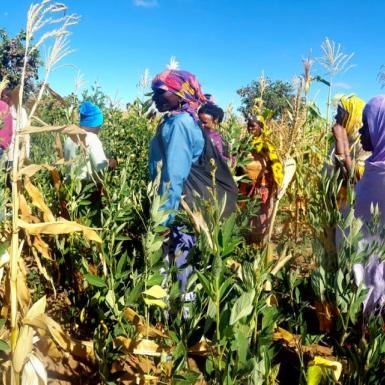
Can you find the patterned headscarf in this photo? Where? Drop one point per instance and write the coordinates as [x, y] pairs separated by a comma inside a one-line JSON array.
[[183, 84], [374, 113], [353, 106]]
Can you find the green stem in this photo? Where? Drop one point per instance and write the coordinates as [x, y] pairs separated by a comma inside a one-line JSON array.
[[217, 319]]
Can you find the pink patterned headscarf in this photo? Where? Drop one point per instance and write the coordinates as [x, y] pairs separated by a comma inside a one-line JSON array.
[[6, 129], [183, 84]]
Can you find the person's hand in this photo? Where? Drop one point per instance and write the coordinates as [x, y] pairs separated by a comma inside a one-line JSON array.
[[339, 132], [112, 163]]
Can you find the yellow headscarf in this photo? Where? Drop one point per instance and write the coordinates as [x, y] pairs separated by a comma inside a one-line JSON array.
[[264, 146], [354, 107]]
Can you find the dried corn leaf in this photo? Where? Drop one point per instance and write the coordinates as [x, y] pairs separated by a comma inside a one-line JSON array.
[[198, 222], [47, 347], [23, 292], [294, 341], [39, 368], [288, 174], [25, 211], [37, 309], [59, 147], [287, 337], [141, 346], [327, 314], [141, 326], [42, 247], [38, 200], [59, 227], [29, 375], [80, 349], [69, 130], [23, 347], [56, 179], [32, 169], [202, 348]]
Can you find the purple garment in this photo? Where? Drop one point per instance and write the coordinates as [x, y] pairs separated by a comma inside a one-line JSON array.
[[177, 250], [373, 278], [216, 139], [374, 112], [370, 189], [183, 243]]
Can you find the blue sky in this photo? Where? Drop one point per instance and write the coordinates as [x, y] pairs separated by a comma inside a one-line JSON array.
[[226, 43]]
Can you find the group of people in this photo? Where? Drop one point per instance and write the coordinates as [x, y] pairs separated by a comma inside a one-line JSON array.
[[189, 147], [359, 154]]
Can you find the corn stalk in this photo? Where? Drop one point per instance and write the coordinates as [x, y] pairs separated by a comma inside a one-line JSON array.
[[39, 15]]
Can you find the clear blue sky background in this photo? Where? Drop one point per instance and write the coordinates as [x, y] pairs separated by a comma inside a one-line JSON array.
[[226, 43]]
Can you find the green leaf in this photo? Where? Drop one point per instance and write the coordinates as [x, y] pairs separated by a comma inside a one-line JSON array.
[[4, 346], [205, 283], [243, 307], [95, 280]]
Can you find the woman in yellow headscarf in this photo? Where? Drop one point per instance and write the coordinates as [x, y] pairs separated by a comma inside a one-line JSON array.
[[265, 173], [348, 152]]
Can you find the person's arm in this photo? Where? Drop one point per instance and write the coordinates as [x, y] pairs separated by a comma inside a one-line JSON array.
[[342, 148], [97, 156]]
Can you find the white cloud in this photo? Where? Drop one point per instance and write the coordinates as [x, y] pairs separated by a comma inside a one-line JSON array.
[[146, 3]]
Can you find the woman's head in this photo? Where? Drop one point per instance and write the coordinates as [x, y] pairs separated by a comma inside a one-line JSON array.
[[349, 113], [210, 115], [373, 128], [255, 125], [177, 91], [91, 117]]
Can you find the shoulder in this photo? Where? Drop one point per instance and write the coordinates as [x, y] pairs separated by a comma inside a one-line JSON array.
[[183, 119]]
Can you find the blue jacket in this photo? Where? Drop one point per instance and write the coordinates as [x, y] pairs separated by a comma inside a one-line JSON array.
[[183, 143]]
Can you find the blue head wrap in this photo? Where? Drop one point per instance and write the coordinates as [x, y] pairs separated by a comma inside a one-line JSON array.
[[90, 115]]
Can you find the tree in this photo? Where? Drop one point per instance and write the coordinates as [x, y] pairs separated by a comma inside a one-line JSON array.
[[275, 95], [12, 59]]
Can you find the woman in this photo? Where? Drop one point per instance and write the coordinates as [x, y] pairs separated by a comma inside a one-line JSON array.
[[185, 152], [370, 189], [10, 96], [210, 116], [265, 173], [348, 152], [370, 193], [6, 124]]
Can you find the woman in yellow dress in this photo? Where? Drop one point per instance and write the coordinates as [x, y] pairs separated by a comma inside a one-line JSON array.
[[265, 174]]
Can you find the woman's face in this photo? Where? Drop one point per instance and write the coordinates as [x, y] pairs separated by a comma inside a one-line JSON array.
[[207, 121], [341, 115], [365, 135], [165, 100], [254, 127]]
